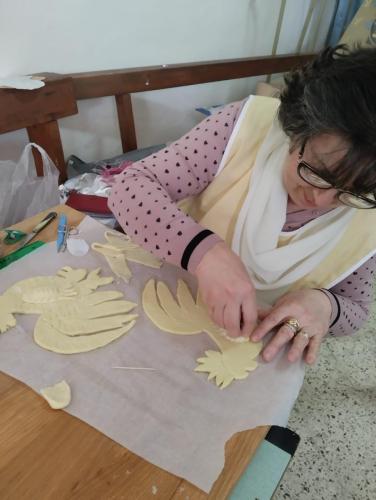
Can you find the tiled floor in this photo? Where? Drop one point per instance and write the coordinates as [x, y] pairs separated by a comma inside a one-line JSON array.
[[335, 417]]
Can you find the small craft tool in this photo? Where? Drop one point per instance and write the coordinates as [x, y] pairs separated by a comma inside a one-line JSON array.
[[15, 236], [38, 228], [62, 233]]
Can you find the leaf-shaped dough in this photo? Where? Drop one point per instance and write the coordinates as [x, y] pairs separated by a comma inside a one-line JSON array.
[[185, 298], [51, 339], [163, 320], [168, 303], [90, 314], [100, 297], [75, 326]]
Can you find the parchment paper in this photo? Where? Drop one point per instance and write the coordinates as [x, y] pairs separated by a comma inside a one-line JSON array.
[[174, 418]]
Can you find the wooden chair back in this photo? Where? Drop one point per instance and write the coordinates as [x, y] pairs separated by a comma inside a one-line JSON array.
[[39, 110]]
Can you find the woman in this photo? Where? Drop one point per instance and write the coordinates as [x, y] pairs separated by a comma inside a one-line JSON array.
[[279, 194]]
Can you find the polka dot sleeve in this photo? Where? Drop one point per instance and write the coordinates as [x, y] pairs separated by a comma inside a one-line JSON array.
[[351, 299], [144, 196]]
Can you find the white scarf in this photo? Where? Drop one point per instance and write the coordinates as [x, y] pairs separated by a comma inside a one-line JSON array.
[[263, 215]]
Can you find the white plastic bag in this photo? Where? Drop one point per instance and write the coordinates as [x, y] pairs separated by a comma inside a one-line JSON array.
[[22, 192]]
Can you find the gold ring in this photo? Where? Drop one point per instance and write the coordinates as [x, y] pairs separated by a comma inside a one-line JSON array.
[[304, 334], [293, 324]]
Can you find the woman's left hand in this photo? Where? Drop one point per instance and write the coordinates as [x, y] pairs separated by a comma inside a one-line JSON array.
[[312, 309]]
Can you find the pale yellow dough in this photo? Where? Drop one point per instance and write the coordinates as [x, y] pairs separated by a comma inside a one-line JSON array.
[[58, 396], [73, 317], [188, 317], [50, 338], [119, 249]]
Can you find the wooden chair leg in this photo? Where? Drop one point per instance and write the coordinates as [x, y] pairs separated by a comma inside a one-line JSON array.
[[126, 122]]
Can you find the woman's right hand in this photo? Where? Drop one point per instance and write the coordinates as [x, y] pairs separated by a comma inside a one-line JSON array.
[[227, 290]]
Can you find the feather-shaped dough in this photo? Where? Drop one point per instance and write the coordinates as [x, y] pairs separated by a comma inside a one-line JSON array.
[[121, 249]]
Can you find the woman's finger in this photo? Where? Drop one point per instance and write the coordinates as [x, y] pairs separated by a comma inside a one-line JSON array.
[[217, 315], [299, 343], [313, 349], [280, 339], [231, 319], [263, 313], [274, 318], [249, 316]]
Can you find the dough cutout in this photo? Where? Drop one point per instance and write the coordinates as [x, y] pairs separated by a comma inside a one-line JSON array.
[[58, 396], [51, 339], [185, 316], [119, 249], [73, 317]]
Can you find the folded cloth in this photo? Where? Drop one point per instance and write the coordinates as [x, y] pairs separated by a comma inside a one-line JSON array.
[[89, 203]]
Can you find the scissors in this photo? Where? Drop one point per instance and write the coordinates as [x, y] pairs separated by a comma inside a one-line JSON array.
[[15, 236]]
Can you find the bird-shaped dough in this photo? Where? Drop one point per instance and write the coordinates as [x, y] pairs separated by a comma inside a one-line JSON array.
[[73, 317]]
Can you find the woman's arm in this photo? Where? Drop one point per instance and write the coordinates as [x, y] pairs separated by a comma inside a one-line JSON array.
[[144, 196], [144, 202], [351, 299]]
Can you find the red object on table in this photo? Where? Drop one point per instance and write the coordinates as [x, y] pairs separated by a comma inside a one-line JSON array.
[[88, 203]]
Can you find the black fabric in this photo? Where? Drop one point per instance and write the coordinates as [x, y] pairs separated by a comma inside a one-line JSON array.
[[338, 308], [285, 439], [192, 245], [76, 166]]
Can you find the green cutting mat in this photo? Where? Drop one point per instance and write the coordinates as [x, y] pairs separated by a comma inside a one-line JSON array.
[[18, 254]]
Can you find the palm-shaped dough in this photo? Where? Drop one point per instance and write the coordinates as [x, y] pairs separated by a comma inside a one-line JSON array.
[[187, 317], [119, 249]]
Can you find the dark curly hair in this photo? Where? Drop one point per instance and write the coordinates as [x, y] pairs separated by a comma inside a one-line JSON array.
[[336, 93]]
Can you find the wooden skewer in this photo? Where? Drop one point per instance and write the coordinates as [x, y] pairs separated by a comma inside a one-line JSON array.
[[134, 368]]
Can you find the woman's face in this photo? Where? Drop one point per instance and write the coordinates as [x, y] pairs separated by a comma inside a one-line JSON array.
[[321, 153]]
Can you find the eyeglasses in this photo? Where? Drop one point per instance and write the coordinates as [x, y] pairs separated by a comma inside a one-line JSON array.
[[315, 178]]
